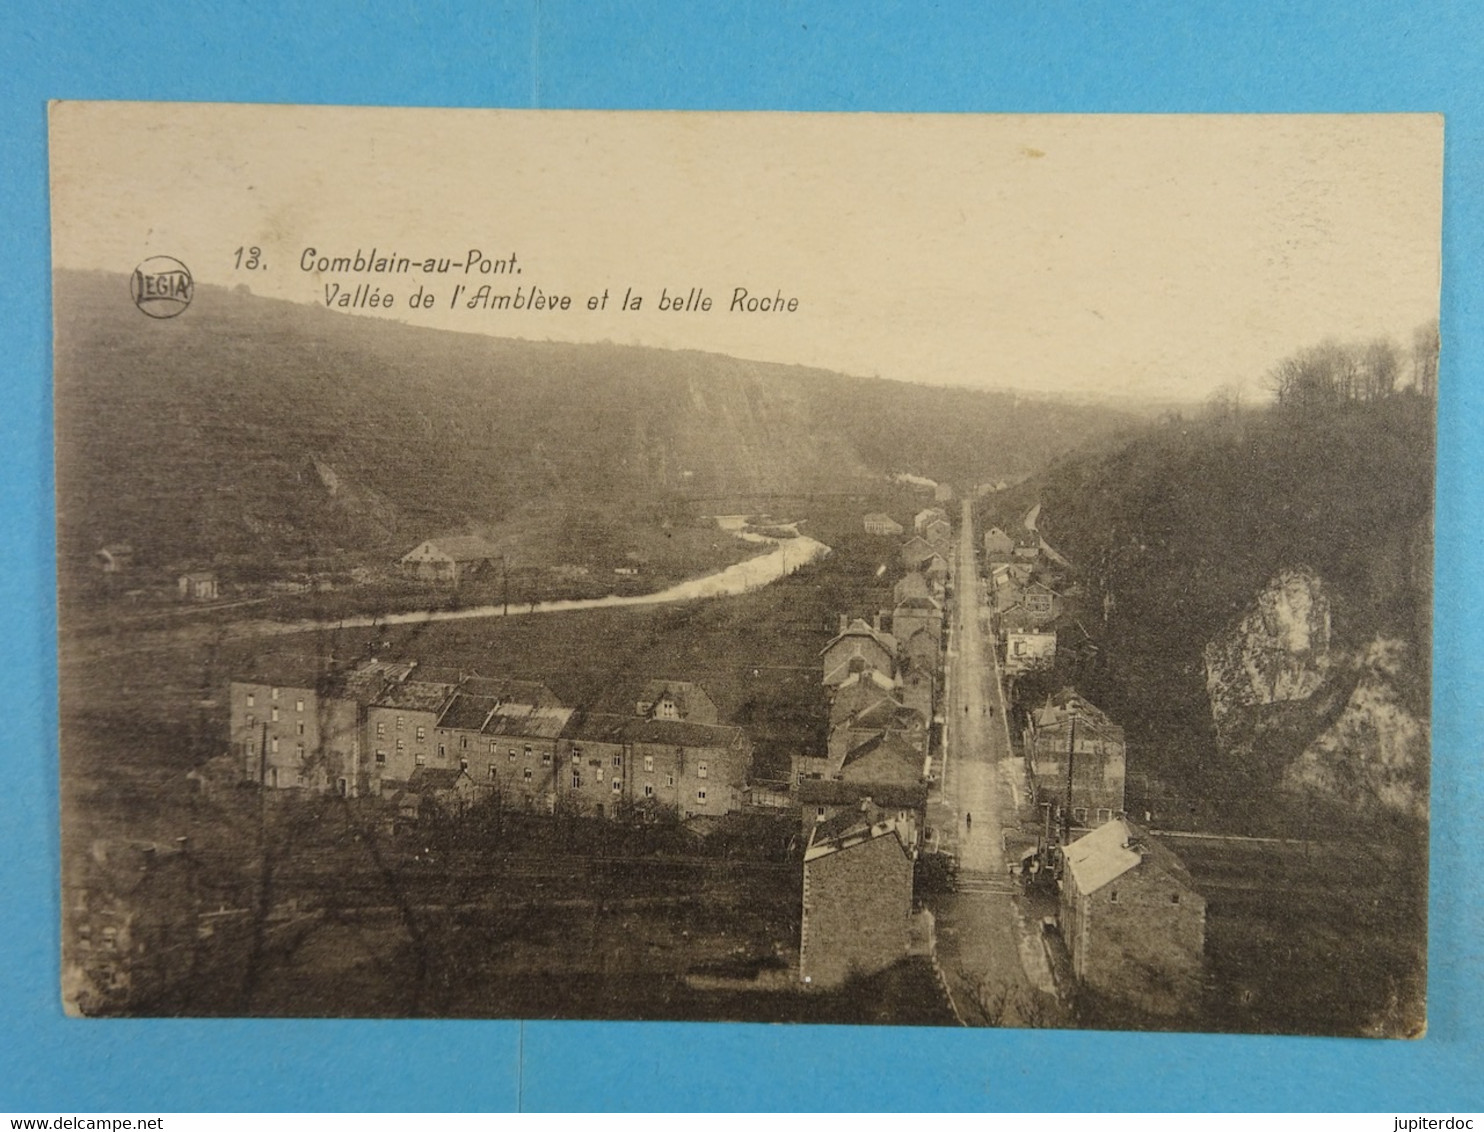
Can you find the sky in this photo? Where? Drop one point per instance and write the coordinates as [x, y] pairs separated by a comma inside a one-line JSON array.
[[1159, 257]]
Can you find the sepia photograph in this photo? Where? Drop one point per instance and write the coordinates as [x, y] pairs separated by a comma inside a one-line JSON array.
[[870, 569]]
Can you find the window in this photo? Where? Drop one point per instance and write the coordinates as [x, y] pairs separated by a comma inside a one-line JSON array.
[[700, 770], [301, 727], [618, 786], [381, 758], [494, 774], [649, 763], [463, 742], [419, 759], [576, 753], [1104, 815], [527, 776], [667, 709], [299, 750], [381, 729], [273, 694], [1113, 896], [1174, 898], [422, 734], [669, 780], [1079, 814], [701, 796], [252, 700], [576, 778], [494, 747], [340, 787], [545, 758], [512, 754], [274, 715], [249, 721], [648, 790], [401, 745], [298, 705], [463, 764], [617, 761], [442, 750], [819, 812], [273, 744], [399, 723], [528, 750]]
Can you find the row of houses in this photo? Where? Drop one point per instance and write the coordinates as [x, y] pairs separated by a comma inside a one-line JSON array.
[[1024, 604], [394, 728], [931, 524], [1129, 915], [863, 800]]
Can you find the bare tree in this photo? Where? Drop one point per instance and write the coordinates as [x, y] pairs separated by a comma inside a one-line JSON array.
[[1425, 348], [1381, 366]]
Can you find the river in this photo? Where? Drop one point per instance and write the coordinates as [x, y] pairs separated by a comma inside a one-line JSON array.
[[787, 555]]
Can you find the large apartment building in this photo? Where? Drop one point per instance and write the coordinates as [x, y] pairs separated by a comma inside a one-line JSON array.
[[373, 727]]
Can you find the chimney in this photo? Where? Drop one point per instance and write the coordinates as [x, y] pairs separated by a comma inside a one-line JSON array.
[[876, 624], [844, 622]]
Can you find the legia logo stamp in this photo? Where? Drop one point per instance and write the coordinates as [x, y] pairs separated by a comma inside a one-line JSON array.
[[162, 286]]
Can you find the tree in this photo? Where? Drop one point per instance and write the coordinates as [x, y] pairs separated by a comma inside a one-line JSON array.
[[1381, 365], [1425, 348]]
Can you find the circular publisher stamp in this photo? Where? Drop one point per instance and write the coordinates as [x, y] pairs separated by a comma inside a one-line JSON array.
[[162, 286]]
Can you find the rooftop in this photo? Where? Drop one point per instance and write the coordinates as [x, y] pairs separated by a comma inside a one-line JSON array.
[[434, 778], [414, 695], [467, 713], [682, 733], [860, 833], [892, 744], [462, 548], [1111, 850], [859, 628], [528, 721]]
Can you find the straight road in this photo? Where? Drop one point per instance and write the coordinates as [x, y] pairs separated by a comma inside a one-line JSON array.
[[984, 945]]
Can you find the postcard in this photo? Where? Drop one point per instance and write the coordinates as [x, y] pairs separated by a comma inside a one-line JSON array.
[[943, 570]]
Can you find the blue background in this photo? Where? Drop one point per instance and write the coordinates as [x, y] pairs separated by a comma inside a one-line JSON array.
[[1032, 55]]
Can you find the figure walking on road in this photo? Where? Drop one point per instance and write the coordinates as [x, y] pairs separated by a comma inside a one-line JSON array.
[[968, 821]]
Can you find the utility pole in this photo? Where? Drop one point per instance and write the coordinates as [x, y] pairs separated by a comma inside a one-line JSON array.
[[1066, 817]]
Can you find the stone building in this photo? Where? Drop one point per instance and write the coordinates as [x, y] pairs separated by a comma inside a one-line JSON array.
[[1132, 920], [1069, 727], [294, 724], [452, 559], [879, 523], [857, 899]]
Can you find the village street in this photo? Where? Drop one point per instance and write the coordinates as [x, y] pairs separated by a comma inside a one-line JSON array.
[[982, 938]]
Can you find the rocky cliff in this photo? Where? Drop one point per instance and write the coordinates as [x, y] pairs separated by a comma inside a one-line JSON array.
[[1319, 717]]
